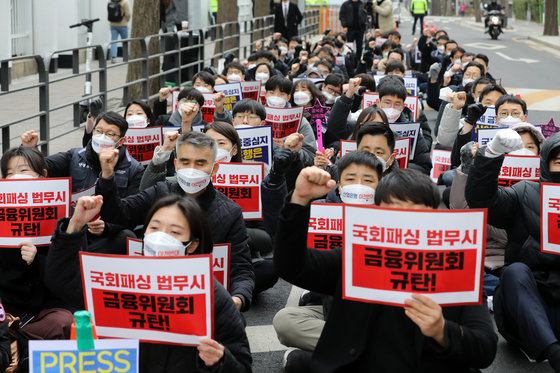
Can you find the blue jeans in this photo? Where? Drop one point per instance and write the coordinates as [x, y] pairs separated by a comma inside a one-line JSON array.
[[115, 32]]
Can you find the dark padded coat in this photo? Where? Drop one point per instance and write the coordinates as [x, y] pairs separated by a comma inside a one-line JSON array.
[[224, 218], [63, 277]]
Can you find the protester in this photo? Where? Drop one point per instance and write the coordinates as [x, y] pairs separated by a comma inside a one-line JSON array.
[[195, 165], [449, 339], [179, 220], [287, 17], [353, 18]]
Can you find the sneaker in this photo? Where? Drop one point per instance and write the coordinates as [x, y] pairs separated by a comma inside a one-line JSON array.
[[296, 360], [304, 298], [113, 60]]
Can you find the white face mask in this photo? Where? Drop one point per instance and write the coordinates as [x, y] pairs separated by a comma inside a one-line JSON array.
[[464, 64], [357, 194], [292, 52], [467, 81], [522, 151], [162, 244], [263, 77], [392, 114], [329, 99], [234, 77], [383, 162], [22, 176], [441, 49], [509, 121], [275, 101], [137, 121], [192, 180], [301, 98], [243, 126], [100, 142], [385, 54], [223, 156], [283, 50], [203, 89], [457, 61], [252, 66]]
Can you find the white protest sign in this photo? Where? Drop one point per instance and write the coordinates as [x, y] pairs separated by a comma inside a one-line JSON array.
[[167, 300], [174, 99], [208, 108], [550, 218], [233, 94], [141, 143], [221, 262], [411, 130], [30, 208], [410, 83], [256, 144], [347, 146], [241, 182], [390, 254], [325, 230], [519, 167], [402, 151], [485, 135], [284, 121], [441, 162]]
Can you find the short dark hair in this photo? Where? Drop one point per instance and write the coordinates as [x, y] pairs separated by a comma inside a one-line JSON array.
[[145, 108], [388, 44], [376, 129], [266, 55], [407, 185], [326, 50], [477, 65], [230, 133], [115, 119], [248, 105], [396, 50], [457, 49], [191, 94], [234, 65], [511, 99], [451, 42], [395, 33], [206, 77], [334, 79], [367, 81], [391, 86], [195, 216], [394, 66], [326, 63], [482, 57], [360, 157], [271, 71], [278, 81], [490, 88], [297, 39], [482, 80], [32, 155], [443, 37]]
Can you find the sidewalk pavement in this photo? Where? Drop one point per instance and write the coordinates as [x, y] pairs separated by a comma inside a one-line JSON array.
[[531, 30]]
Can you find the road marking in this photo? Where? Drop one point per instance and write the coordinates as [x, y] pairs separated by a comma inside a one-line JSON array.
[[526, 60], [485, 46], [538, 99], [535, 47]]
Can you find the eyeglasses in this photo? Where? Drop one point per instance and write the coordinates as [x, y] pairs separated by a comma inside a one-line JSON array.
[[504, 113], [386, 105], [251, 117], [332, 91], [471, 76], [111, 134]]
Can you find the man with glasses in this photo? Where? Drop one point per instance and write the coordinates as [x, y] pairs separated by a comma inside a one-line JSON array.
[[510, 110], [83, 167]]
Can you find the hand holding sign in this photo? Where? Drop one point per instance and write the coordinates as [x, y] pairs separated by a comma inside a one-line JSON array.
[[96, 227], [427, 315], [311, 183], [108, 158], [210, 351], [170, 140], [29, 138], [219, 100], [28, 252], [86, 209]]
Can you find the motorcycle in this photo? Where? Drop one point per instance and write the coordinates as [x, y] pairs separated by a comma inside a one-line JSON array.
[[495, 23]]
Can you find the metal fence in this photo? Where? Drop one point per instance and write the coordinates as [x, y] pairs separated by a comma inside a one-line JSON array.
[[54, 100]]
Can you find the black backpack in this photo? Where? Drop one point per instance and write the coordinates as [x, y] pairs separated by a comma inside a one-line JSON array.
[[114, 11]]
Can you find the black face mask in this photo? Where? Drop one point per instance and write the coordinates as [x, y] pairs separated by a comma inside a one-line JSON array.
[[555, 176]]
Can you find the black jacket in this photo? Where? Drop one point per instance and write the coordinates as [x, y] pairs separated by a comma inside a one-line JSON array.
[[5, 344], [360, 335], [63, 277], [422, 159], [294, 19], [83, 166], [346, 15], [224, 218], [517, 209]]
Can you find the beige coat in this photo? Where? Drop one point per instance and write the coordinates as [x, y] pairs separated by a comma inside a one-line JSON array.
[[125, 7], [385, 13]]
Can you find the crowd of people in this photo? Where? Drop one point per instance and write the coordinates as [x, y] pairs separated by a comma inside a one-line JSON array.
[[173, 202]]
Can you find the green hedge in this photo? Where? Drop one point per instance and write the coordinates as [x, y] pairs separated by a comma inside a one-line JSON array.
[[520, 9]]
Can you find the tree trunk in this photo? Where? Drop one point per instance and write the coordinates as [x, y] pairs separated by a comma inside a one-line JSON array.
[[436, 8], [228, 12], [261, 8], [477, 13], [449, 8], [551, 18], [145, 21]]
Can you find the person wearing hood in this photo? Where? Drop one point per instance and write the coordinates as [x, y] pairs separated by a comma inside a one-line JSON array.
[[392, 94], [82, 165], [526, 300], [300, 327], [174, 223], [195, 163]]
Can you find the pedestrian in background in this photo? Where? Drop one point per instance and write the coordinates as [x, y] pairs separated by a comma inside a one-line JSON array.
[[352, 16], [384, 13], [287, 17], [118, 15], [418, 8]]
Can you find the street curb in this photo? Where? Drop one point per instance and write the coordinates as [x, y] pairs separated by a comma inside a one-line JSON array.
[[544, 42]]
